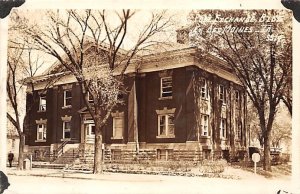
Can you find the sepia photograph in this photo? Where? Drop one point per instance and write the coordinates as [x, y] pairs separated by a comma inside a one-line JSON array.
[[130, 98]]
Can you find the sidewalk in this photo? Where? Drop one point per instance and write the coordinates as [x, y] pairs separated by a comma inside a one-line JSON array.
[[60, 173], [57, 173]]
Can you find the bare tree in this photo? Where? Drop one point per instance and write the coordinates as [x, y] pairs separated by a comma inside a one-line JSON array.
[[21, 65], [87, 40], [257, 46]]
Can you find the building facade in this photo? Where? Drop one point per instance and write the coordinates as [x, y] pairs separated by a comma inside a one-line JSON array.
[[177, 107]]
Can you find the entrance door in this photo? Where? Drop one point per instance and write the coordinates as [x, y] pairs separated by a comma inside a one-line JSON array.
[[90, 132]]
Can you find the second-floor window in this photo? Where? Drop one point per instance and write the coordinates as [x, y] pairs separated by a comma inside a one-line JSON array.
[[166, 87], [222, 94], [66, 129], [204, 125], [237, 99], [41, 132], [43, 102], [223, 128], [204, 89], [67, 98]]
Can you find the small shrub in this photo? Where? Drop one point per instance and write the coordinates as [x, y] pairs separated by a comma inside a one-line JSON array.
[[208, 166]]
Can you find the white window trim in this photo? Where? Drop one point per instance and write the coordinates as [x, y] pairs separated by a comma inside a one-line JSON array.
[[66, 121], [90, 125], [161, 88], [89, 99], [43, 105], [65, 99], [117, 115], [167, 135], [44, 131], [204, 124], [223, 127], [223, 99], [165, 112], [204, 86]]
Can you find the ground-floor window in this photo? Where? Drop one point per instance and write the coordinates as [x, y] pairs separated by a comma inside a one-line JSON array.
[[66, 129], [41, 131], [166, 125], [164, 154], [204, 125], [223, 128], [118, 125]]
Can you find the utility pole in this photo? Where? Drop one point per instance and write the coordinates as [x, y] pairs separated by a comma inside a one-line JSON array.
[[3, 69]]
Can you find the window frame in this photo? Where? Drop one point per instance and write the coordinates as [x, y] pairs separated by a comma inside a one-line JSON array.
[[166, 126], [114, 132], [237, 99], [67, 98], [43, 132], [89, 99], [167, 153], [43, 107], [204, 89], [162, 87], [68, 129], [222, 94], [238, 132], [223, 128], [204, 123]]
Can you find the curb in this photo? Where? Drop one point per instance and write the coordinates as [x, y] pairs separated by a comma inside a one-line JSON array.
[[69, 173]]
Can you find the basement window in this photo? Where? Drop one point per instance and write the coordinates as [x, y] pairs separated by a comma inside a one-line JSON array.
[[164, 154]]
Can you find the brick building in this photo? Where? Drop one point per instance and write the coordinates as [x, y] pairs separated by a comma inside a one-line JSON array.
[[178, 107]]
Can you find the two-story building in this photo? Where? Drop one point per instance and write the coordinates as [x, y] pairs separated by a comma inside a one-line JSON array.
[[178, 107]]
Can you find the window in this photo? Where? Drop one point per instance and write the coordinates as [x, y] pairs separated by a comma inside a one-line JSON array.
[[166, 87], [204, 125], [204, 89], [223, 128], [90, 129], [164, 154], [166, 125], [238, 130], [66, 129], [67, 98], [116, 154], [41, 132], [118, 125], [222, 93], [13, 142], [43, 102], [237, 99], [90, 98], [206, 154]]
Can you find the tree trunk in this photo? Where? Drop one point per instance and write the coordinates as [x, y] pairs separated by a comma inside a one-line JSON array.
[[267, 156], [21, 151], [98, 149]]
